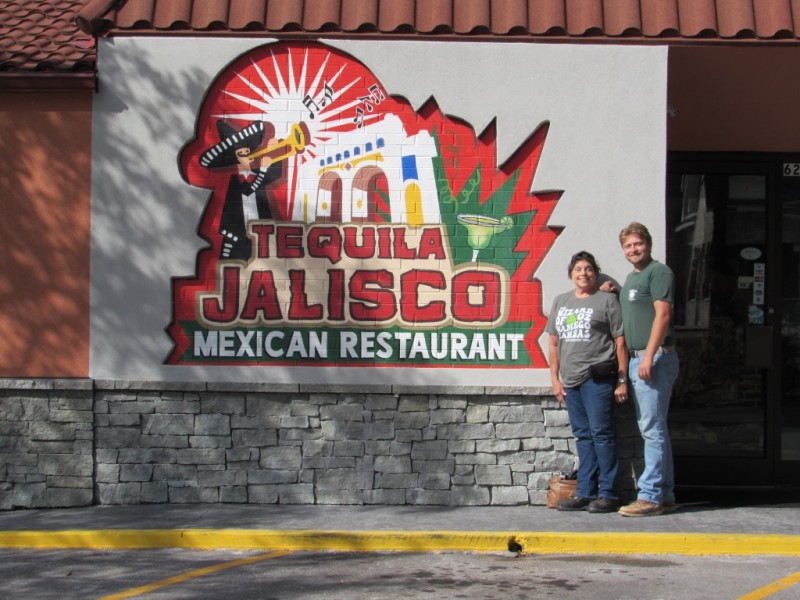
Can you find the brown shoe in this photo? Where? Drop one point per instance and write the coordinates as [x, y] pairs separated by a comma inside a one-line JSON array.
[[642, 508], [669, 506]]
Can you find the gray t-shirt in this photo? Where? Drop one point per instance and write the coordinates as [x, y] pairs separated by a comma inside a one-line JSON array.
[[586, 328]]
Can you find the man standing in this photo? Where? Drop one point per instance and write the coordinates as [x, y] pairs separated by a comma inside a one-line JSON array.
[[646, 301]]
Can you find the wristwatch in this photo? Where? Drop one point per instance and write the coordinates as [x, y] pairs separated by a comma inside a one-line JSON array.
[[622, 380]]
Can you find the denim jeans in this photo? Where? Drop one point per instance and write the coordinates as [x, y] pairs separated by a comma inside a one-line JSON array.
[[591, 413], [657, 482]]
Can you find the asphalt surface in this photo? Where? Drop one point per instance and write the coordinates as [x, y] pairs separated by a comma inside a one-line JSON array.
[[723, 546]]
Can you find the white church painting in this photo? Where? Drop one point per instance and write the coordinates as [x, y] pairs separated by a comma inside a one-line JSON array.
[[350, 181]]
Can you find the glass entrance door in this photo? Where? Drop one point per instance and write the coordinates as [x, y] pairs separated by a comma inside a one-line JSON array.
[[733, 240], [717, 248]]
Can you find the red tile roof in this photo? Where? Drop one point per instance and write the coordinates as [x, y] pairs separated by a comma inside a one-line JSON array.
[[41, 46], [567, 20], [40, 40]]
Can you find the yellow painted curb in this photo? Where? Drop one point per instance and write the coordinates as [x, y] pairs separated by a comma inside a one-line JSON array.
[[411, 541]]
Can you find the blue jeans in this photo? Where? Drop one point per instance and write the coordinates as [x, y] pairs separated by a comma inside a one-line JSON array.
[[591, 413], [657, 482]]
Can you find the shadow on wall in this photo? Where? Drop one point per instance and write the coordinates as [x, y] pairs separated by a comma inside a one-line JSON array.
[[44, 201], [144, 216]]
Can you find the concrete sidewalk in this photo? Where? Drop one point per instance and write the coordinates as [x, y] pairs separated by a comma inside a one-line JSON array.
[[695, 528]]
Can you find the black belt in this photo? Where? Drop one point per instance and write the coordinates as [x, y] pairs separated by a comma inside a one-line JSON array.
[[638, 353]]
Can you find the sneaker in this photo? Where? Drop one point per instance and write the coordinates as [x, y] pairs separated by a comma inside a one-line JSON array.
[[576, 503], [603, 505], [642, 508], [669, 506]]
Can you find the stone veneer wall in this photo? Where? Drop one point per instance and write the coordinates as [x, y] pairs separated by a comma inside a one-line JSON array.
[[74, 443], [46, 443]]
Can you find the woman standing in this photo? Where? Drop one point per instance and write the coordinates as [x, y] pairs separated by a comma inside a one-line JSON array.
[[588, 366]]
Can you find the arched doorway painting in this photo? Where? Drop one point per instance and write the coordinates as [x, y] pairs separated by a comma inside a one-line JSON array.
[[329, 198], [370, 198]]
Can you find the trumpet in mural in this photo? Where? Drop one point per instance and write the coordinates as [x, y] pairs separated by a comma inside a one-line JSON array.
[[293, 144]]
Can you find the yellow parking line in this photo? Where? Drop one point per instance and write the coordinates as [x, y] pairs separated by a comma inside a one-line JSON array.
[[191, 575], [772, 588], [411, 541]]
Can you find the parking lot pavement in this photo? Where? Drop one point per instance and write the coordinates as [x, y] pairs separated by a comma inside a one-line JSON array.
[[708, 549], [168, 574]]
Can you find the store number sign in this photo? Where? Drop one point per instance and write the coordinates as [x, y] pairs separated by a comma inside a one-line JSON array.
[[791, 169]]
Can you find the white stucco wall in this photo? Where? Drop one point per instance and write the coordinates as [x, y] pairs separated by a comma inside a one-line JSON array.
[[606, 149]]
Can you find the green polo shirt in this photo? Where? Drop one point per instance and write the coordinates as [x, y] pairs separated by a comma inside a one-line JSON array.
[[641, 290]]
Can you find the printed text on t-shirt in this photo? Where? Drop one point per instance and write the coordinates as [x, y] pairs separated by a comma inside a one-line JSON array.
[[574, 324]]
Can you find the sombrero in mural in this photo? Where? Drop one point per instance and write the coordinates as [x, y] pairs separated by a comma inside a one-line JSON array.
[[222, 154]]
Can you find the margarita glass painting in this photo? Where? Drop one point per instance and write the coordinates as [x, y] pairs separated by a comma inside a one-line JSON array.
[[481, 230]]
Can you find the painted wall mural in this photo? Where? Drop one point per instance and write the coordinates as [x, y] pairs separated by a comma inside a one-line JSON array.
[[347, 229]]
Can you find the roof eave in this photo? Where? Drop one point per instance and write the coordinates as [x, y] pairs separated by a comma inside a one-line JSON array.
[[48, 82], [90, 18], [670, 39]]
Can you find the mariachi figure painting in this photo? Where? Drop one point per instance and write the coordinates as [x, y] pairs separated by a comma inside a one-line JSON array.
[[346, 228]]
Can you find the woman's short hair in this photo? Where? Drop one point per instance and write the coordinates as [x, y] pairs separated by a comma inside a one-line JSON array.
[[638, 230], [585, 256]]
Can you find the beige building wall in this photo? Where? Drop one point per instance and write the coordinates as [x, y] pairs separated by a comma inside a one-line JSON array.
[[723, 99]]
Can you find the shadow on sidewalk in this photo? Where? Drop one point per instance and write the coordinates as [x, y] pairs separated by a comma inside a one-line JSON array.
[[707, 498]]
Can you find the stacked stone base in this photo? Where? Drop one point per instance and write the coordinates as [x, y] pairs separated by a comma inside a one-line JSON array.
[[72, 443]]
